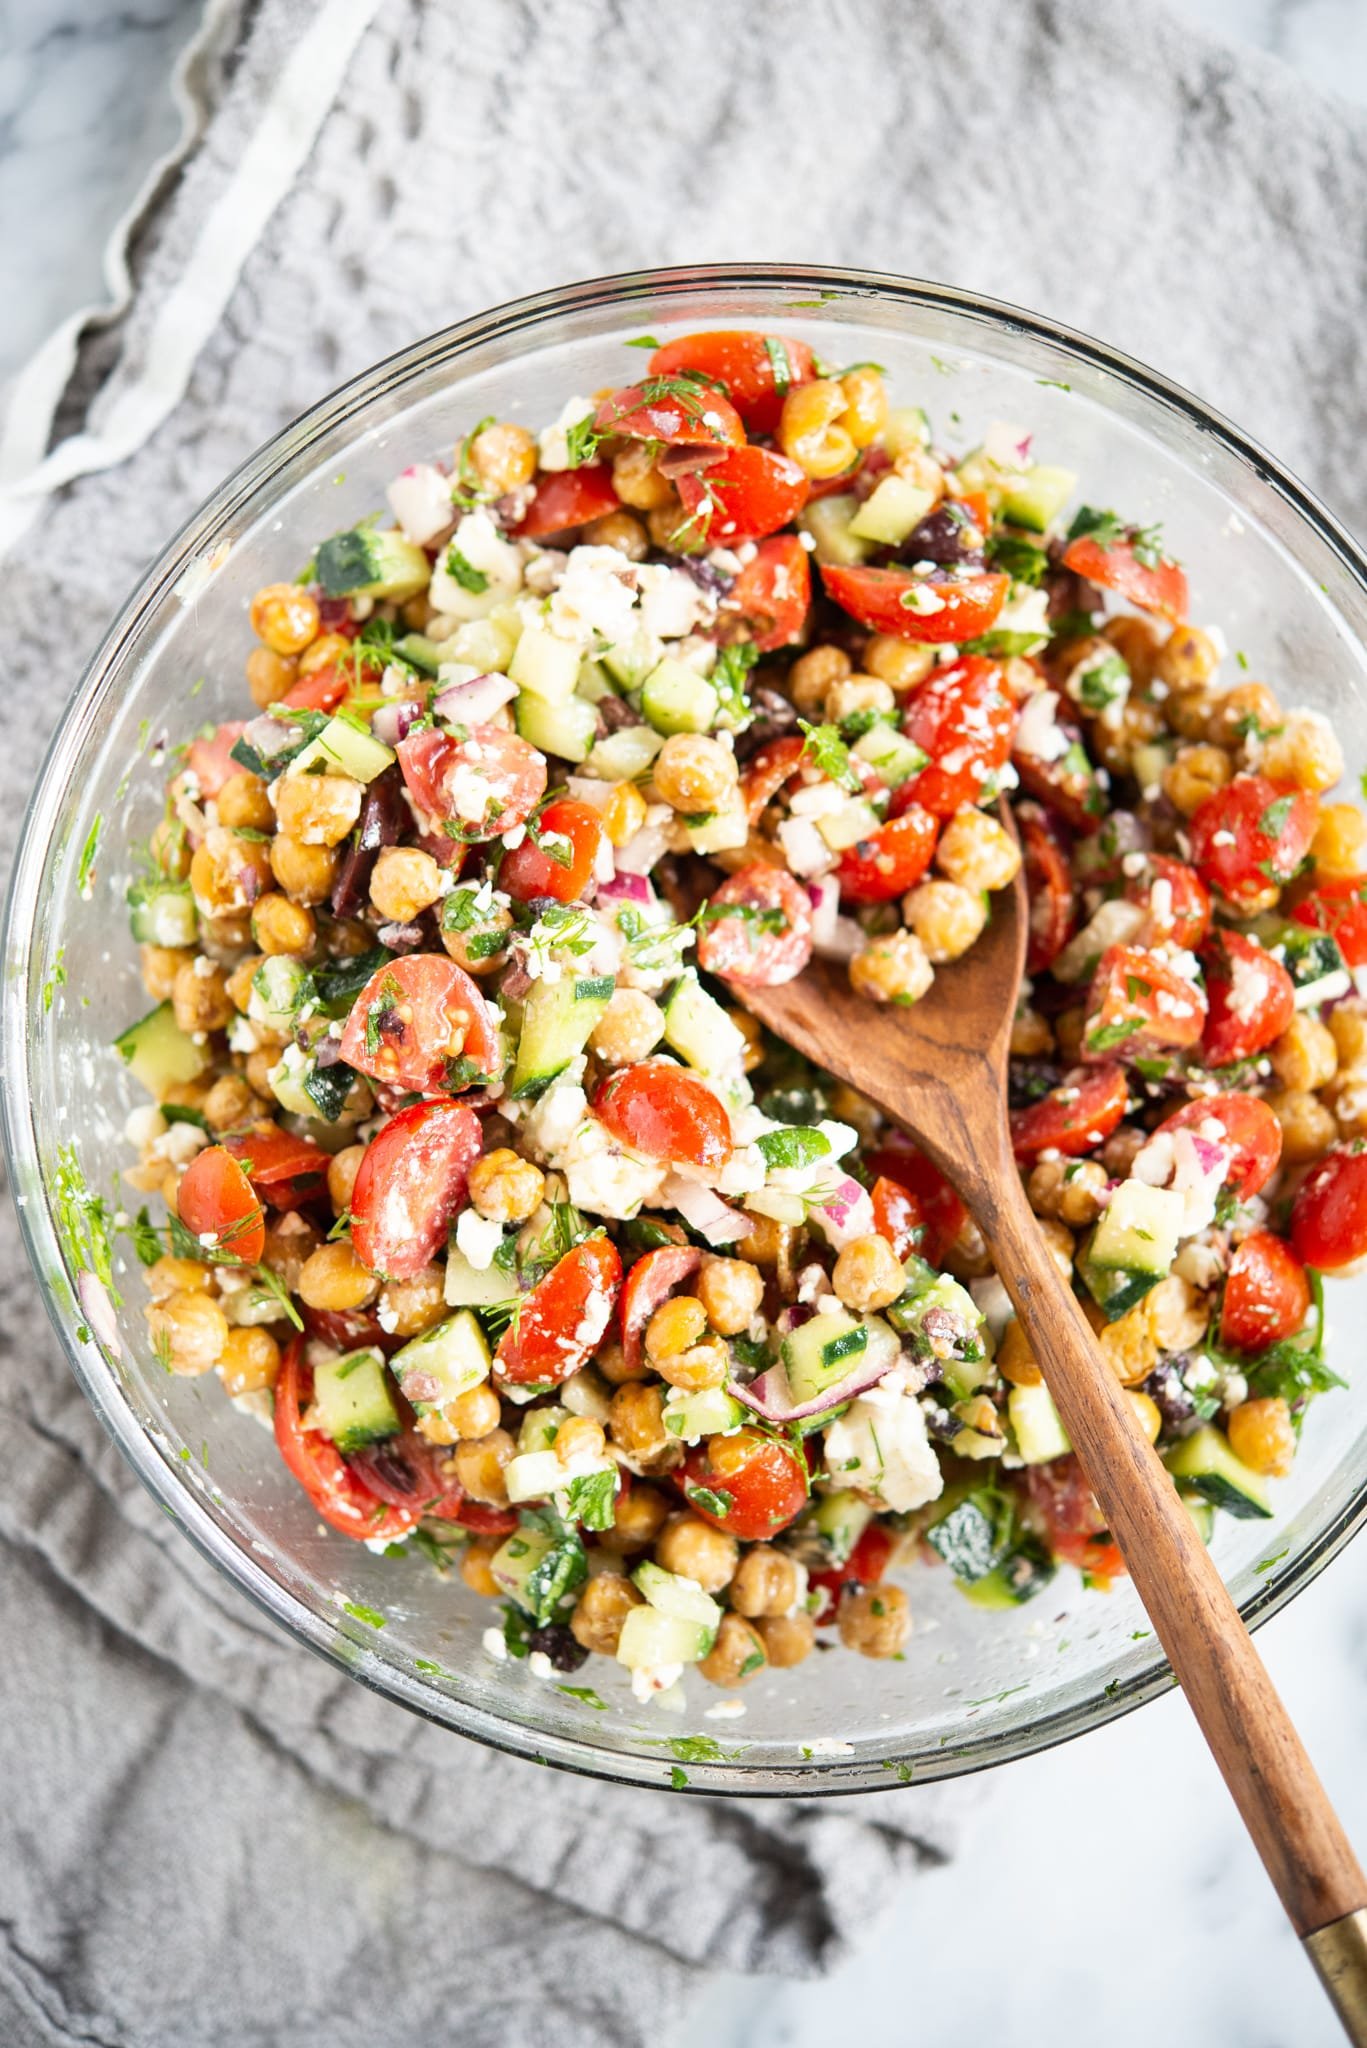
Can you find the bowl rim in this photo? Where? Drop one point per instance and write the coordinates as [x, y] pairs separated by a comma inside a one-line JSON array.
[[209, 525]]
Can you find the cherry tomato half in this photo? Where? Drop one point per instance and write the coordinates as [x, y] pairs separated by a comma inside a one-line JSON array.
[[751, 492], [210, 760], [561, 859], [216, 1203], [1049, 884], [675, 410], [414, 1019], [1159, 586], [757, 371], [481, 786], [342, 1499], [1251, 998], [864, 1566], [1247, 1127], [898, 1217], [322, 689], [1249, 836], [757, 928], [411, 1185], [963, 718], [1329, 1214], [1267, 1295], [895, 601], [891, 860], [1339, 908], [749, 1484], [564, 1319], [767, 770], [1176, 900], [664, 1113], [1066, 783], [942, 1213], [568, 497], [283, 1170], [769, 601], [652, 1280], [1073, 1118], [1074, 1524], [1137, 1006]]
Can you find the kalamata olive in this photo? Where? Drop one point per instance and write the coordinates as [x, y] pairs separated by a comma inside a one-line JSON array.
[[555, 1641], [384, 816], [945, 535], [1031, 1080], [1172, 1397]]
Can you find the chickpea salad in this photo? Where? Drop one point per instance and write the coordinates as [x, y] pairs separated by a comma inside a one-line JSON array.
[[542, 1261]]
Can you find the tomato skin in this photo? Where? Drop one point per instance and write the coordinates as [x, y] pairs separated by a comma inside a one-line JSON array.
[[737, 949], [1251, 834], [874, 598], [694, 416], [1182, 914], [1049, 882], [1339, 908], [351, 1329], [1267, 1295], [410, 1185], [767, 770], [1074, 1525], [512, 769], [891, 860], [1138, 1005], [1073, 1118], [757, 378], [941, 1212], [864, 1566], [215, 1196], [1251, 1132], [529, 871], [1329, 1214], [1266, 998], [751, 492], [765, 1478], [413, 1052], [661, 1111], [1162, 589], [323, 689], [652, 1280], [898, 1217], [283, 1170], [1067, 785], [338, 1495], [210, 760], [769, 601], [564, 1319], [568, 497], [962, 709]]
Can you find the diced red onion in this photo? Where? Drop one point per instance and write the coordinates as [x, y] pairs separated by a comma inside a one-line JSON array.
[[627, 888], [400, 938], [475, 701], [771, 1398], [589, 789], [391, 722], [845, 1214], [1210, 1155], [704, 1210], [643, 851]]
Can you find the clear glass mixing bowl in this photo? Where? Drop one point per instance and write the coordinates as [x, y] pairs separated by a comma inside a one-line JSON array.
[[1289, 590]]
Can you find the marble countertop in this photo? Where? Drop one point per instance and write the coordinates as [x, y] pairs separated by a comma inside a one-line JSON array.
[[1109, 1878]]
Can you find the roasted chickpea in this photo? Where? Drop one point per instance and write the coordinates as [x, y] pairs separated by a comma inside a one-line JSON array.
[[404, 882], [866, 405], [874, 1620], [305, 872], [696, 1550], [977, 852], [227, 873], [343, 1168], [229, 1102], [1305, 754], [703, 1365], [812, 430], [282, 927], [868, 1274], [676, 1325], [630, 1027], [855, 694], [1339, 847], [636, 1420], [787, 1638], [619, 530], [504, 1187], [692, 773], [637, 480], [1247, 713], [892, 969], [480, 1466], [813, 676], [249, 1361], [637, 1519], [285, 617], [902, 664], [945, 917], [1306, 1056], [1016, 1362], [1031, 1036], [334, 1278], [1193, 774], [737, 1655], [325, 652], [603, 1606], [317, 810], [475, 1563], [269, 676], [766, 1581], [408, 1307], [200, 997], [1260, 1433], [243, 802], [504, 456], [1187, 659], [624, 813], [290, 1242], [167, 1276], [730, 1292], [161, 967], [189, 1331]]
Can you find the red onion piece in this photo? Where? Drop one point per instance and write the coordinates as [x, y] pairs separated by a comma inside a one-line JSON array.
[[704, 1210], [627, 888], [475, 701], [391, 722], [771, 1397]]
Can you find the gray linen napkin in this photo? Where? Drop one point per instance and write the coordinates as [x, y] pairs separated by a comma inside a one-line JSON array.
[[208, 1836]]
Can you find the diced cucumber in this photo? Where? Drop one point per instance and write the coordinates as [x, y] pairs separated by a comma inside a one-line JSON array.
[[826, 1349], [631, 661], [540, 1427], [650, 1641], [468, 1287], [1139, 1229], [969, 1365], [159, 1054], [289, 1079], [970, 1532], [711, 1412], [675, 698], [487, 644], [428, 655], [352, 1400], [344, 748], [908, 427], [1150, 763], [513, 1563], [1206, 1465], [594, 683], [279, 986], [533, 1475], [855, 820], [1039, 1433], [1023, 1572], [892, 509], [364, 563], [829, 521], [1202, 1513], [895, 757], [682, 1599], [840, 1519], [162, 913], [699, 1030], [1036, 499], [548, 667], [624, 756], [1114, 1289], [444, 1362], [557, 1018], [722, 831], [565, 729]]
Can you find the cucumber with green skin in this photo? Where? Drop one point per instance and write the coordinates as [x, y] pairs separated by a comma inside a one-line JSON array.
[[699, 1030], [557, 1019], [352, 1401], [159, 1054], [1205, 1464], [446, 1361], [675, 698], [565, 728], [343, 747], [364, 563], [1036, 499], [840, 1519], [1023, 1573], [162, 913]]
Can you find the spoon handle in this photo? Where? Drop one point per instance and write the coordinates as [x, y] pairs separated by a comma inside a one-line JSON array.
[[1282, 1802]]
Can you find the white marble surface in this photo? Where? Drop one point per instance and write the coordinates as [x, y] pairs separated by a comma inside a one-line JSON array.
[[1107, 1893]]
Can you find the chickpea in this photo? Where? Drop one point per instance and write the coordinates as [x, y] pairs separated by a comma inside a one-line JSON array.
[[945, 917], [1120, 1150], [636, 1420], [505, 1188], [168, 1276], [630, 1027], [610, 1360], [343, 1168], [189, 1331], [200, 998], [281, 927], [868, 1274], [703, 1365], [1069, 1030], [227, 873], [637, 1519], [1059, 1240], [505, 456], [977, 852], [317, 810], [1189, 713], [866, 405], [250, 1361], [1305, 754], [1067, 1189], [737, 1654], [902, 664], [1138, 722], [161, 968], [693, 773], [325, 652], [1187, 659], [580, 1437], [619, 530], [1138, 642], [334, 1278], [858, 693], [1193, 774], [261, 1064], [1306, 1056], [892, 969], [412, 1306], [1031, 1035], [243, 801], [1348, 1026], [695, 1550], [477, 947], [1308, 1128], [305, 872], [284, 616], [229, 1102], [224, 938], [480, 1465], [875, 1620], [471, 1415], [1247, 712], [787, 1638], [1339, 847], [919, 467], [770, 1244], [766, 1582], [603, 1606], [290, 1243], [811, 428], [637, 480], [675, 1327], [239, 982], [404, 882], [475, 1567], [1016, 1362], [814, 675], [730, 1292], [1147, 1412], [269, 676], [1260, 1433]]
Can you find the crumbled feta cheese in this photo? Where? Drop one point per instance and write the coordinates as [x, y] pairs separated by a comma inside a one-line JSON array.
[[552, 442], [493, 1645], [477, 1239], [880, 1446], [651, 1679], [420, 500]]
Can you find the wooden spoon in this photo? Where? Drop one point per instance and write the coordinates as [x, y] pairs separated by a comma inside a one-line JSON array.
[[939, 1070]]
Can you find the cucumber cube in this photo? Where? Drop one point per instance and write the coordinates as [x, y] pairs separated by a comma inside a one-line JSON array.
[[682, 1599], [711, 1412], [556, 1021], [1036, 499], [892, 510], [445, 1361], [159, 1054], [548, 667], [895, 757], [565, 728], [1039, 1433], [1139, 1229], [1206, 1465], [624, 756], [650, 1640], [724, 830], [163, 913], [699, 1030], [344, 748], [352, 1399], [675, 698], [469, 1287], [830, 522]]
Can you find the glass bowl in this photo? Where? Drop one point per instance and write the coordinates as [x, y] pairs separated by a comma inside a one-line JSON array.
[[1289, 590]]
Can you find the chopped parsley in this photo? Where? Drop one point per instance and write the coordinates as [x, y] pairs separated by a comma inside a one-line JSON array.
[[464, 573], [582, 442], [712, 1500], [56, 979], [732, 666], [369, 1615], [825, 748]]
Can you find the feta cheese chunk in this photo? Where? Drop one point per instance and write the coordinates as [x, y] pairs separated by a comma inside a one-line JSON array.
[[880, 1447]]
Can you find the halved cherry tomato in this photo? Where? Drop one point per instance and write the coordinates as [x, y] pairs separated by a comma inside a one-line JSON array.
[[1177, 902], [1339, 908], [351, 1329], [756, 370], [898, 1217], [1073, 1118], [894, 601], [769, 601], [675, 410], [749, 493], [767, 770], [1155, 587], [216, 1203], [749, 1484], [1267, 1296], [561, 859], [765, 937], [1247, 1127], [568, 497], [481, 786], [891, 860], [942, 1213], [1049, 884], [1251, 998], [484, 1519], [652, 1280], [1074, 1524], [322, 689], [409, 1473], [1066, 782], [1250, 835], [564, 1319], [1329, 1214], [343, 1500], [414, 1019], [210, 760], [283, 1169], [411, 1184], [963, 717], [664, 1113], [864, 1566], [1137, 1005]]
